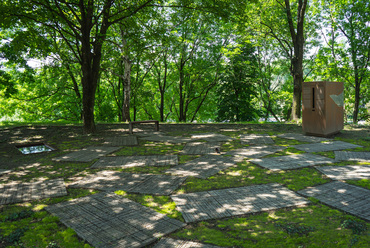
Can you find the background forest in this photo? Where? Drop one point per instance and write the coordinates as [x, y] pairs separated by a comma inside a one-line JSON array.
[[178, 61]]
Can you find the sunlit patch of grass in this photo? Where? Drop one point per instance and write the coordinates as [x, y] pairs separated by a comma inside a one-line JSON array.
[[323, 225], [328, 154], [150, 148], [364, 183], [232, 145], [186, 158], [161, 204], [285, 152]]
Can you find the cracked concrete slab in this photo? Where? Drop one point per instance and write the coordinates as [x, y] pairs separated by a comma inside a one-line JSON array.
[[86, 154], [348, 198], [325, 146], [106, 220], [133, 161], [232, 202], [349, 172], [202, 167], [292, 161], [17, 192], [258, 139], [152, 184]]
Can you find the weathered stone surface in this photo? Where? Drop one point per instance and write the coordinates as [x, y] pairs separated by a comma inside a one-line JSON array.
[[202, 167], [200, 148], [16, 192], [121, 141], [132, 183], [107, 220], [133, 161], [253, 152], [235, 201], [292, 161], [349, 172], [2, 171], [352, 156], [173, 243], [167, 139], [325, 146], [212, 137], [349, 198], [258, 139], [87, 154], [302, 137]]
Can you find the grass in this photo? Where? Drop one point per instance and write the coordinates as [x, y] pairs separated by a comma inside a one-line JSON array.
[[313, 225]]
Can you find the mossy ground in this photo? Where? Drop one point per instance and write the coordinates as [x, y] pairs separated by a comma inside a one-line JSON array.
[[313, 225]]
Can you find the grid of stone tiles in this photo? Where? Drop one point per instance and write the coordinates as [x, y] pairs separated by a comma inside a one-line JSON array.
[[87, 154], [16, 192], [352, 156], [302, 137], [132, 183], [212, 137], [173, 243], [349, 172], [235, 201], [253, 152], [121, 141], [349, 198], [132, 161], [325, 146], [108, 220], [167, 138], [202, 167], [2, 171], [200, 148], [292, 161], [258, 139]]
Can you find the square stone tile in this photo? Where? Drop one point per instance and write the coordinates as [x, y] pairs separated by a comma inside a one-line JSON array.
[[212, 137], [349, 172], [251, 152], [121, 141], [292, 161], [202, 167], [170, 243], [87, 154], [326, 146], [167, 139], [107, 220], [257, 139], [132, 183], [302, 137], [133, 161], [16, 192], [352, 156], [201, 148]]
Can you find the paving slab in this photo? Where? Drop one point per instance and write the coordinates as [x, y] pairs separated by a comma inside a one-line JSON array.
[[235, 201], [133, 161], [200, 148], [167, 138], [132, 183], [87, 154], [349, 198], [258, 139], [212, 137], [202, 167], [121, 141], [2, 171], [251, 152], [325, 146], [149, 133], [349, 172], [16, 192], [107, 220], [294, 161], [302, 137], [352, 156], [173, 243]]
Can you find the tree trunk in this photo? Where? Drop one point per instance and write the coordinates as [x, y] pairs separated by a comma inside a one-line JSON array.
[[126, 89], [357, 98]]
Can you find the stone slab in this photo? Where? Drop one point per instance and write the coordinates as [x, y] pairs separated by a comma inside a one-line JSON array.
[[121, 141], [325, 146], [294, 161], [2, 171], [87, 154], [251, 152], [349, 172], [132, 183], [167, 139], [173, 243], [202, 167], [349, 198], [235, 201], [106, 220], [258, 139], [16, 192], [200, 148], [352, 156], [133, 161], [302, 137], [212, 137]]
